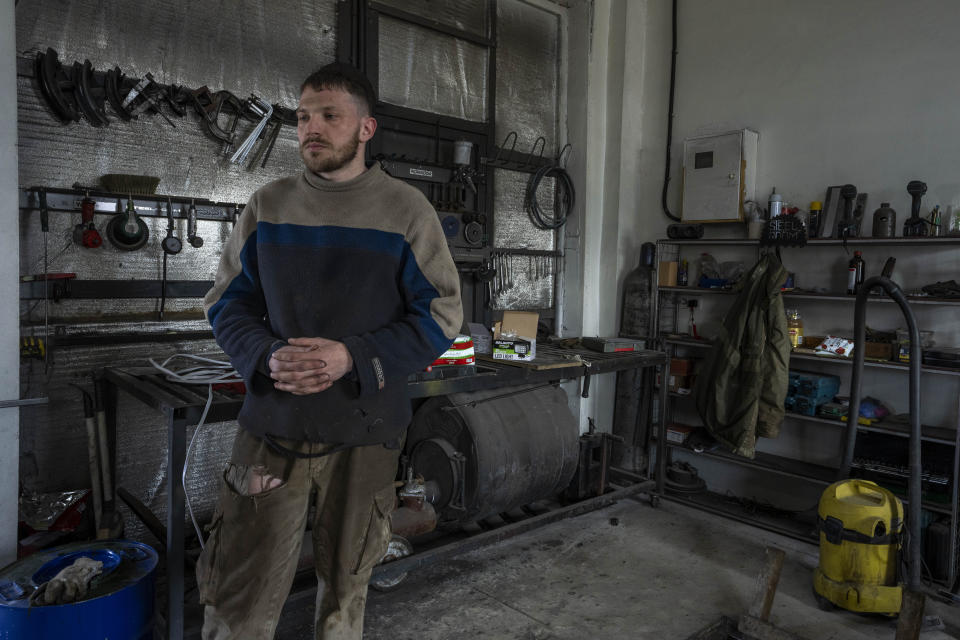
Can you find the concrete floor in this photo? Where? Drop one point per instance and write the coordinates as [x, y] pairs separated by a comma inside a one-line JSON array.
[[656, 573]]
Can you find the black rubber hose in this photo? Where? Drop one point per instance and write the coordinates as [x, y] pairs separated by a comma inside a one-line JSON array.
[[916, 356], [562, 207], [673, 86]]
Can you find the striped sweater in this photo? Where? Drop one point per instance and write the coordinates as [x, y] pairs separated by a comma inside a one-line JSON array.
[[364, 262]]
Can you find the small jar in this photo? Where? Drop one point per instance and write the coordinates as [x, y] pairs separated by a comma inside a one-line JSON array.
[[795, 328]]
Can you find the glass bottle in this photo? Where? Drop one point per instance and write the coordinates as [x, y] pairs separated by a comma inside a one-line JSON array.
[[855, 273], [795, 328]]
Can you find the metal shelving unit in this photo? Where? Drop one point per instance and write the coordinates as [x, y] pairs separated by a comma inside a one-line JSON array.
[[796, 526]]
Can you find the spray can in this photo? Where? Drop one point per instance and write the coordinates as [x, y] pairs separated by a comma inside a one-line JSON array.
[[813, 219]]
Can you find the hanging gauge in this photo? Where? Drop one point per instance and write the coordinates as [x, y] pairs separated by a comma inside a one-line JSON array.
[[451, 226]]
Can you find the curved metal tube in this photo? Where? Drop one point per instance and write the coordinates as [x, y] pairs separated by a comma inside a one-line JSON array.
[[916, 354]]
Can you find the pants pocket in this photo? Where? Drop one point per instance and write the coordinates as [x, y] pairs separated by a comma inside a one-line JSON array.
[[373, 544], [209, 571]]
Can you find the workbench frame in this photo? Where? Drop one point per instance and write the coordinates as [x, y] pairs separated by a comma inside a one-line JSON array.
[[182, 406]]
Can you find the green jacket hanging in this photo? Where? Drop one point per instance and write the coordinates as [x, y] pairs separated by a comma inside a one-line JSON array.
[[740, 391]]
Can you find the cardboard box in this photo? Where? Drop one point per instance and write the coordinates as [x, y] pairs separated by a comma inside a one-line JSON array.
[[515, 337], [681, 366], [682, 385], [678, 433], [667, 274]]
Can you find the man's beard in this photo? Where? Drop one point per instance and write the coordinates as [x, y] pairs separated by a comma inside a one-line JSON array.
[[331, 158]]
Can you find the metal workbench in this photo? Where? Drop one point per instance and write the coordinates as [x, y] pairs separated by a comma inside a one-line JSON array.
[[183, 405]]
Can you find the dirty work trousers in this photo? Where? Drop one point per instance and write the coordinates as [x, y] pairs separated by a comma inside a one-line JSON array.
[[250, 557]]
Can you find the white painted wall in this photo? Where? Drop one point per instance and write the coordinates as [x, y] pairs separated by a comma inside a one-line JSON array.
[[9, 270], [860, 91]]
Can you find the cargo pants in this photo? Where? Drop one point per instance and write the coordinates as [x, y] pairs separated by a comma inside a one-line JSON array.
[[250, 557]]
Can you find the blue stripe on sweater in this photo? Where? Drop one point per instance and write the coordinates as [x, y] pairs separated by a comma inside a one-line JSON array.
[[243, 284], [422, 292], [418, 288], [385, 242]]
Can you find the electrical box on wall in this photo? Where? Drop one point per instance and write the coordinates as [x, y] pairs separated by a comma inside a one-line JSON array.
[[719, 174]]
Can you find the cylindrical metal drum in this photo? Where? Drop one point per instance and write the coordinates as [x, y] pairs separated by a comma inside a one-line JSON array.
[[491, 451], [119, 603]]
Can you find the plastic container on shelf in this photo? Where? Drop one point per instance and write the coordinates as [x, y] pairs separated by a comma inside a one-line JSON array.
[[903, 343], [707, 267]]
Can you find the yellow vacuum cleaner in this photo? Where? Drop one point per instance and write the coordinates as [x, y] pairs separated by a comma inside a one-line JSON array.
[[861, 524], [860, 528]]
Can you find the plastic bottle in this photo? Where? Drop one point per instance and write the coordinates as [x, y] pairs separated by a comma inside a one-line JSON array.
[[683, 273], [795, 328], [707, 267], [637, 289], [775, 204], [855, 273], [813, 219]]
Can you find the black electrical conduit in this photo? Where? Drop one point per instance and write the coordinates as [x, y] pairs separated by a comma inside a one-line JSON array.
[[673, 86], [860, 327]]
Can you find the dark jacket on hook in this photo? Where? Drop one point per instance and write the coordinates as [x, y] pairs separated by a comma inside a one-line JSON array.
[[740, 392]]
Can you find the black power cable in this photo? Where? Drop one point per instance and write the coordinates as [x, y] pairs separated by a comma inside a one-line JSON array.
[[561, 206], [673, 86]]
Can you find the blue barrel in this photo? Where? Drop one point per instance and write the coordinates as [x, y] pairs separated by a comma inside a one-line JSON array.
[[118, 604]]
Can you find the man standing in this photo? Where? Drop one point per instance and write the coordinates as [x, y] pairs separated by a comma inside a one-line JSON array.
[[335, 285]]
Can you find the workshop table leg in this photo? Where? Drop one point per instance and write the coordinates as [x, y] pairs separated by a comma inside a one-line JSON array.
[[176, 453], [662, 426]]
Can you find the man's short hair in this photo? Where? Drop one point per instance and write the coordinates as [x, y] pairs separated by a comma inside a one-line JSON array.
[[344, 77]]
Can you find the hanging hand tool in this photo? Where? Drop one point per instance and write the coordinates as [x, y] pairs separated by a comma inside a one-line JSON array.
[[262, 109], [195, 241], [171, 246], [126, 230], [56, 86], [146, 100], [115, 83], [266, 146], [90, 97], [85, 233]]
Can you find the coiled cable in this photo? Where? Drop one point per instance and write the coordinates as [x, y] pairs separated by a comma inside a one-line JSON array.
[[208, 372], [561, 206]]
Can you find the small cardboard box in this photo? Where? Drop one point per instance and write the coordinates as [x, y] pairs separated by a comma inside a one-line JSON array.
[[515, 337], [667, 274], [681, 366], [678, 433]]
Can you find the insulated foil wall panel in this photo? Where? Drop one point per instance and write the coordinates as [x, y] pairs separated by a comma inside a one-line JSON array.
[[466, 15], [431, 71], [513, 228], [244, 47], [528, 58]]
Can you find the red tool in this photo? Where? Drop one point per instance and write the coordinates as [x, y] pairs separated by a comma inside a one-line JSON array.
[[85, 232]]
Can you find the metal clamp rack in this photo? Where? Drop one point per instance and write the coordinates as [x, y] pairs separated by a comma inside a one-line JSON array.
[[790, 467], [106, 202]]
